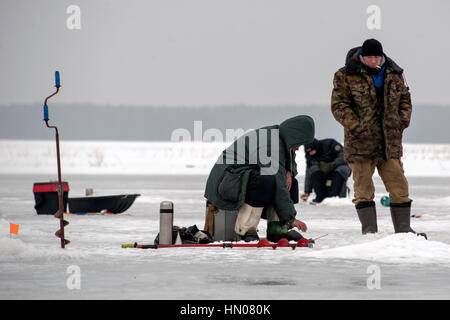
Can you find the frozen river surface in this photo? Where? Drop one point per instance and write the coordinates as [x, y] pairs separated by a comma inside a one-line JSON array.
[[343, 265]]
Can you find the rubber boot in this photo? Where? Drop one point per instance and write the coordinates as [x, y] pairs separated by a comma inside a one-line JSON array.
[[277, 231], [247, 222], [250, 235], [367, 214], [401, 218]]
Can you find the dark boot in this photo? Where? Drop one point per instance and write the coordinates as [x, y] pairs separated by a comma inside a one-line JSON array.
[[251, 235], [293, 235], [367, 214], [401, 217], [276, 231]]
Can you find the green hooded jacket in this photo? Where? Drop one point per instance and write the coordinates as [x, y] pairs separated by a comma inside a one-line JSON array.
[[267, 149]]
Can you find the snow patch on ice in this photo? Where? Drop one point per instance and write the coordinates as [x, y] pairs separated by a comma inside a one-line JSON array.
[[12, 248], [335, 202], [396, 248]]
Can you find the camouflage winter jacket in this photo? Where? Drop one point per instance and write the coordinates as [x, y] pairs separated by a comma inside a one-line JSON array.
[[371, 130]]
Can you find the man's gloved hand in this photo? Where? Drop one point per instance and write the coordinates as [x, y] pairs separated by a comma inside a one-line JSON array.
[[304, 197]]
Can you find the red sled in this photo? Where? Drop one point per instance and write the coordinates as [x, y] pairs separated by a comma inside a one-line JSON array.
[[263, 243]]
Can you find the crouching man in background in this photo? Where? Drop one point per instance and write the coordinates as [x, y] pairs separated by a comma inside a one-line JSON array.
[[326, 170]]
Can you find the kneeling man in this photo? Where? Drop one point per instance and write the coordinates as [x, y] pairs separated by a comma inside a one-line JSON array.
[[256, 176]]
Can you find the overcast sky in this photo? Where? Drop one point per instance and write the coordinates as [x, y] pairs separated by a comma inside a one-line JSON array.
[[211, 52]]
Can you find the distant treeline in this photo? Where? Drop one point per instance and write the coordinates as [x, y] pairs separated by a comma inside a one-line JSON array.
[[429, 124]]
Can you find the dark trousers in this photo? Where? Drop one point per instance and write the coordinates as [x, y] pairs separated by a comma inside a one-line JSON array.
[[318, 181], [261, 189]]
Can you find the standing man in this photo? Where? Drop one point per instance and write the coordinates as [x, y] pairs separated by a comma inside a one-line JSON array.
[[373, 104]]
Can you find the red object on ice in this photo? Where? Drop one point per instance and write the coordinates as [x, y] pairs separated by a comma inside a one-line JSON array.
[[283, 243], [264, 243], [13, 228], [303, 242]]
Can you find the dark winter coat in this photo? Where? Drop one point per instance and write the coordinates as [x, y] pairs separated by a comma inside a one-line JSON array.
[[227, 182], [372, 130], [329, 156], [327, 150]]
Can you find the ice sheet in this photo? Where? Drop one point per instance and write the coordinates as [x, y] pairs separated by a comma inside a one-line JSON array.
[[33, 266]]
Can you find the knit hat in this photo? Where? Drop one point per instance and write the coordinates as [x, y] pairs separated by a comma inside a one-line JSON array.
[[311, 146], [372, 47]]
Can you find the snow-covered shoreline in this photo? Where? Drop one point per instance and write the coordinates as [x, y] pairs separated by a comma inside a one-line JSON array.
[[150, 158]]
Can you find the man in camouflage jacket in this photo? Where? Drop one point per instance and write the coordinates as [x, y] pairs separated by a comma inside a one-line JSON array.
[[371, 101]]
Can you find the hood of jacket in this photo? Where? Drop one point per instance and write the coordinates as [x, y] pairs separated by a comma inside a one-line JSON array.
[[353, 64], [297, 131]]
